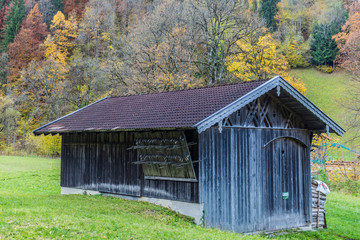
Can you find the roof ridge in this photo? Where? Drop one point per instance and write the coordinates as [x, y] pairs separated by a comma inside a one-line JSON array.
[[190, 89]]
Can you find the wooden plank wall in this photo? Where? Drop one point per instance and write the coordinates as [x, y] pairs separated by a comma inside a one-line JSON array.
[[102, 162], [241, 181]]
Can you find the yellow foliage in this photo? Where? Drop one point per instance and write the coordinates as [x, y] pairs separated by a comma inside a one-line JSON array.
[[45, 145], [259, 59], [295, 82], [331, 164], [256, 59], [61, 41], [167, 82], [291, 15], [325, 68], [295, 53], [53, 51]]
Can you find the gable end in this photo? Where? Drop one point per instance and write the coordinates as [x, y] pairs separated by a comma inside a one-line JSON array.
[[280, 84]]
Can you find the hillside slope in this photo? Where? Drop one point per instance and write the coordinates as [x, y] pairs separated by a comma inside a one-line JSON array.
[[330, 92]]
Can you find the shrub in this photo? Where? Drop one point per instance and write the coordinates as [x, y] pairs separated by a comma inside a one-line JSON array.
[[296, 54], [49, 146], [340, 178], [9, 150], [321, 175], [325, 68]]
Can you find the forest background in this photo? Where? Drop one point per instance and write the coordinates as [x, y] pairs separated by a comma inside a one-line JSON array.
[[57, 56]]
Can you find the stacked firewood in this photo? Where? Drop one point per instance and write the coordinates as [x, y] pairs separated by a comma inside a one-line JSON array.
[[318, 207]]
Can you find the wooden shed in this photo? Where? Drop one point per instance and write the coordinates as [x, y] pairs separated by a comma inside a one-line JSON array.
[[237, 156]]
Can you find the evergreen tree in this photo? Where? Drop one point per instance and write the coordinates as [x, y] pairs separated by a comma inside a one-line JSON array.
[[268, 11], [323, 46], [13, 22], [58, 4], [4, 9]]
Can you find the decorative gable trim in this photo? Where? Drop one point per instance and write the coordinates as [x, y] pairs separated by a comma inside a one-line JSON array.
[[278, 83]]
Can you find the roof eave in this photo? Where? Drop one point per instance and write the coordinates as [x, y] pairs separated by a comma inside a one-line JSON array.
[[36, 130], [113, 130]]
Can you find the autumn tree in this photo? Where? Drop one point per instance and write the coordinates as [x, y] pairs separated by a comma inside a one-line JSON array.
[[219, 25], [8, 119], [95, 57], [44, 79], [29, 4], [348, 42], [61, 42], [3, 73], [258, 58], [44, 91], [294, 18], [48, 10], [13, 22], [162, 52], [26, 45], [190, 39], [296, 52], [74, 6], [128, 12]]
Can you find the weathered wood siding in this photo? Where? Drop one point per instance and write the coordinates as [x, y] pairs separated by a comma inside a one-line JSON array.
[[172, 190], [243, 173], [100, 162], [103, 162]]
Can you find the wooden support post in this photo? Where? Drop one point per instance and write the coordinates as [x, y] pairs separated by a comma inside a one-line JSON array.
[[318, 210]]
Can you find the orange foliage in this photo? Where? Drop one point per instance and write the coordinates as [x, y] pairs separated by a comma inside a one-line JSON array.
[[348, 41], [76, 6], [27, 44]]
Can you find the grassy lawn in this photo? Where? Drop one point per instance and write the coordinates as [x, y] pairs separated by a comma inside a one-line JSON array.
[[327, 91], [330, 92], [31, 207]]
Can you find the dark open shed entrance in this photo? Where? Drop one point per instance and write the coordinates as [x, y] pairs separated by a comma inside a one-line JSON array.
[[83, 165]]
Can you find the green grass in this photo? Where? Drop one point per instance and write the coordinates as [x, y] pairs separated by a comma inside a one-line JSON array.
[[326, 91], [27, 164], [31, 207], [343, 219], [329, 92]]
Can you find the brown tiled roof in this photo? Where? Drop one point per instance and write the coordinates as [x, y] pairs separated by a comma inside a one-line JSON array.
[[177, 109]]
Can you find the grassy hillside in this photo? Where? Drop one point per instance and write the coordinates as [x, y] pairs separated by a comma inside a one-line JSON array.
[[327, 91], [330, 92], [31, 207]]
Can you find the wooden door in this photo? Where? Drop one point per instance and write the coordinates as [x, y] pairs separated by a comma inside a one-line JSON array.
[[284, 183]]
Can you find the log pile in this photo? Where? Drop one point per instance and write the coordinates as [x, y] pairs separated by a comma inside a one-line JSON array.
[[318, 207]]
